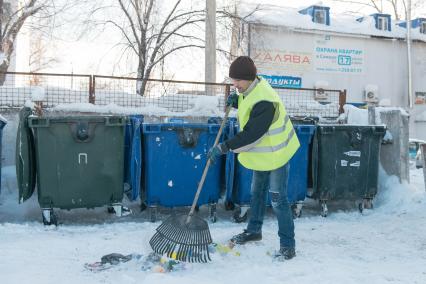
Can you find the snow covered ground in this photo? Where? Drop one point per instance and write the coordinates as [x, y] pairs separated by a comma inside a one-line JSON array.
[[383, 245]]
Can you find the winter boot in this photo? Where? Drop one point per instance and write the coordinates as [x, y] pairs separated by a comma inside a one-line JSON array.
[[245, 237], [285, 253]]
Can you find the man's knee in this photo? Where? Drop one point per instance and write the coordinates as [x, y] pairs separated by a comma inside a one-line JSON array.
[[275, 198]]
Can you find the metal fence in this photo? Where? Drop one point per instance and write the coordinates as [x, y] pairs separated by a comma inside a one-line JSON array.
[[312, 102], [52, 89], [174, 96]]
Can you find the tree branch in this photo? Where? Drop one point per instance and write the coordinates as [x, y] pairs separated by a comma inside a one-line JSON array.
[[125, 35], [132, 25], [171, 51]]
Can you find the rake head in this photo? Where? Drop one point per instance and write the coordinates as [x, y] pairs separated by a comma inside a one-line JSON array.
[[182, 240]]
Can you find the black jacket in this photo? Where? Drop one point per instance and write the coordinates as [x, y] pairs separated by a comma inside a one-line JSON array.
[[260, 120]]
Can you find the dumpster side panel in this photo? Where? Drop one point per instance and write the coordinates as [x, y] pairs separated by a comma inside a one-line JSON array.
[[25, 157], [133, 157]]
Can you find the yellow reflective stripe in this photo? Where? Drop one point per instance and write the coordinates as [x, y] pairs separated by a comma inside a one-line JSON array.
[[267, 149], [279, 129]]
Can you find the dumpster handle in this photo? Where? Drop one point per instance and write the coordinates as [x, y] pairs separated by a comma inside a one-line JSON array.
[[155, 128], [379, 130], [39, 122], [327, 129], [115, 121], [176, 120], [203, 177]]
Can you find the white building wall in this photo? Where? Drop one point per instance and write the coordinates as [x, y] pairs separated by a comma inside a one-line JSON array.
[[313, 57]]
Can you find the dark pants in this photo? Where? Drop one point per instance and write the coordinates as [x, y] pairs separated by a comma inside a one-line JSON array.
[[276, 183]]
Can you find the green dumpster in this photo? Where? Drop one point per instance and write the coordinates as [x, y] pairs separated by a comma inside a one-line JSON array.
[[79, 162], [346, 163]]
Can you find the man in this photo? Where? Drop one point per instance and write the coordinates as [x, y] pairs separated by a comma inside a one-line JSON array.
[[265, 144]]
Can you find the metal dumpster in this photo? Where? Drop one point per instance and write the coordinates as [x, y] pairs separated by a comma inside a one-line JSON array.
[[175, 154], [79, 162], [346, 163]]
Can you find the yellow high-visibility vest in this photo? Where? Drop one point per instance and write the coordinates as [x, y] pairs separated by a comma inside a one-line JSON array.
[[279, 144]]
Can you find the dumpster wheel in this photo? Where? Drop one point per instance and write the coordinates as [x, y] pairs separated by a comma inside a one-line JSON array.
[[49, 217], [119, 210], [153, 214], [324, 208], [212, 213], [367, 203]]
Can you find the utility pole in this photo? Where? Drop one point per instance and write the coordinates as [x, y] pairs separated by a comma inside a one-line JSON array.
[[410, 83], [210, 52]]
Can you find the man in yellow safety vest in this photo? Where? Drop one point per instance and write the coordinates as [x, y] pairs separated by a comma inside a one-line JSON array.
[[265, 144]]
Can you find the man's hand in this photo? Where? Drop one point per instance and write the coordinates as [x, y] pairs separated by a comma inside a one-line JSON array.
[[232, 99], [215, 152]]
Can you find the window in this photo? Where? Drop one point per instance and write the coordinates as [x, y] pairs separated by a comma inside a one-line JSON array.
[[423, 27], [412, 150], [319, 16], [382, 23]]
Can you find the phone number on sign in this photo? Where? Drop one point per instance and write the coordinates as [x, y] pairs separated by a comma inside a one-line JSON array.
[[350, 70]]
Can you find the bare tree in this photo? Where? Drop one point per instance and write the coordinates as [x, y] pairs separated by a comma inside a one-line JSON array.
[[38, 59], [152, 32], [11, 23], [40, 18]]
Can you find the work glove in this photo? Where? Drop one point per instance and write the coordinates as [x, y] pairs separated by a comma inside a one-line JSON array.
[[232, 99], [217, 151]]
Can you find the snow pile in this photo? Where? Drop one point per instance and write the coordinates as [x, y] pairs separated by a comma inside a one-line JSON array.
[[204, 106], [394, 197], [354, 115], [37, 94], [358, 116], [387, 244], [197, 106]]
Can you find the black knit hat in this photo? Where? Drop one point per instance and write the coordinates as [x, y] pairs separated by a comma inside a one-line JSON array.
[[243, 68]]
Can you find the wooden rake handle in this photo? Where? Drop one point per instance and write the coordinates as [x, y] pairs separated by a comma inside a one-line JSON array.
[[206, 169]]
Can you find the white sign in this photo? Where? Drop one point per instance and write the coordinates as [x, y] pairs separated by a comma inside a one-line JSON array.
[[282, 62], [337, 56], [353, 153], [356, 164]]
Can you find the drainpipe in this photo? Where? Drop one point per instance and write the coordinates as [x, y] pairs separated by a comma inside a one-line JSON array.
[[410, 85]]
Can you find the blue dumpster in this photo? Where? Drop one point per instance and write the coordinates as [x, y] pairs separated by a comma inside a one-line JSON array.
[[2, 125], [238, 181], [174, 159], [133, 157]]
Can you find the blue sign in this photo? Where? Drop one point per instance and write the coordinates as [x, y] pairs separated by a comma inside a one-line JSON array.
[[283, 81]]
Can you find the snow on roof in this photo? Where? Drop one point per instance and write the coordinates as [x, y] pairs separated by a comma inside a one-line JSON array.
[[290, 17]]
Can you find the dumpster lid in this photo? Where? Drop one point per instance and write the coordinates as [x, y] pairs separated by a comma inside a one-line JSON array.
[[25, 157]]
